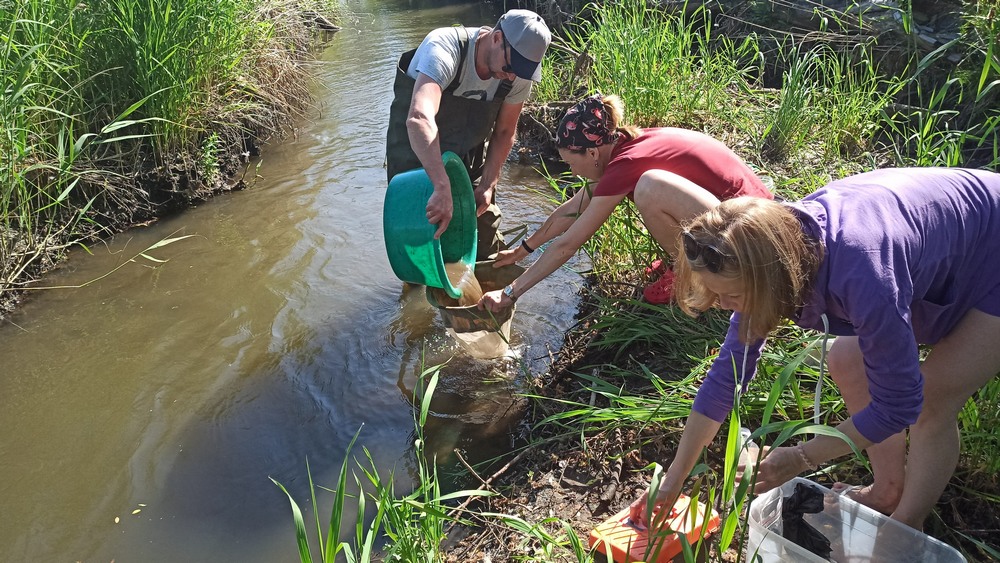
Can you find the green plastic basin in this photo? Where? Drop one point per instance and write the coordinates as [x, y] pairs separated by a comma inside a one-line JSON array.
[[414, 254]]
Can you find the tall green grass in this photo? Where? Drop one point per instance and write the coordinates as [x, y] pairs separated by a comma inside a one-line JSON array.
[[980, 442], [98, 94], [837, 109], [653, 61], [956, 122], [830, 102], [176, 53], [43, 137]]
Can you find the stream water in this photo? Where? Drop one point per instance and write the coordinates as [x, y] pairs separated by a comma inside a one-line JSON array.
[[143, 413]]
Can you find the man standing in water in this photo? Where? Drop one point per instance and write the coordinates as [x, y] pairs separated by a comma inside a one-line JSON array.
[[462, 87]]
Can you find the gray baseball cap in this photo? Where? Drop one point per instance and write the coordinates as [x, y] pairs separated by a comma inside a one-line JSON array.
[[528, 37]]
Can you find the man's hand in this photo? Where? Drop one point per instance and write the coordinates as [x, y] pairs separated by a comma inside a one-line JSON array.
[[484, 196], [439, 210]]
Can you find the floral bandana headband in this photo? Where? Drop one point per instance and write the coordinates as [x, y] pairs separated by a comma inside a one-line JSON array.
[[585, 125]]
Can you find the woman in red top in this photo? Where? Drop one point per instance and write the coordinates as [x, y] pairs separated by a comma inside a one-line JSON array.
[[672, 175]]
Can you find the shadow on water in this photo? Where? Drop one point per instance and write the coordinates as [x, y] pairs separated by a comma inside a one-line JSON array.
[[143, 414]]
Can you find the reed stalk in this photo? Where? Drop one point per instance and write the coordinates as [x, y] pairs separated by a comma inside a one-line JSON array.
[[406, 527]]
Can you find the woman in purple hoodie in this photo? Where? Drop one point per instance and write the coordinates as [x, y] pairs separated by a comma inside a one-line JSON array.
[[887, 260]]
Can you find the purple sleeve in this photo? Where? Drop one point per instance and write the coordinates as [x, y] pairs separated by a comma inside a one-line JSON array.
[[716, 394], [892, 364]]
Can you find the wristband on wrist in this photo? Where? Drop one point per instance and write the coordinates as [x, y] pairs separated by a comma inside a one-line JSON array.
[[509, 292], [805, 459], [524, 245]]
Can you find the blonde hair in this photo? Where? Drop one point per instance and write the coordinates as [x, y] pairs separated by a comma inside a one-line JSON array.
[[615, 109], [765, 250]]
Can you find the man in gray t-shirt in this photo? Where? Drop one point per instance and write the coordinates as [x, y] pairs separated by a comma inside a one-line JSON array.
[[459, 89]]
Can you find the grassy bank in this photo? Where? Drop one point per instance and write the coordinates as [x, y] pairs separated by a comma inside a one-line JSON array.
[[116, 112], [802, 113], [837, 110]]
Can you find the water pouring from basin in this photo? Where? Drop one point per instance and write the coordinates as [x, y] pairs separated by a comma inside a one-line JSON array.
[[481, 333], [415, 255]]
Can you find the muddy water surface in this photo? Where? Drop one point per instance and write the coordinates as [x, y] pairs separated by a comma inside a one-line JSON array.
[[142, 414]]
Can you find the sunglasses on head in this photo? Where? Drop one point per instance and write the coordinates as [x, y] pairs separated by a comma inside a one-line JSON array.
[[711, 256], [508, 68]]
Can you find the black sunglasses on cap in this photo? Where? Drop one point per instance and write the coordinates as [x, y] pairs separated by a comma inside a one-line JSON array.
[[712, 257]]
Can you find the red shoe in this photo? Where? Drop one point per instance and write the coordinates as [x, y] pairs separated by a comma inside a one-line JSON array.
[[657, 267], [661, 291]]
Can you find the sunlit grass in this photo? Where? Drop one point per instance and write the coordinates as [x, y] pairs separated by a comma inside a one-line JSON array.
[[829, 105], [937, 133], [980, 442], [678, 339], [97, 94], [955, 121], [43, 136], [652, 60]]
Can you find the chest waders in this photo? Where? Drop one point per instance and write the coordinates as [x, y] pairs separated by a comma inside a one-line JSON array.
[[464, 125]]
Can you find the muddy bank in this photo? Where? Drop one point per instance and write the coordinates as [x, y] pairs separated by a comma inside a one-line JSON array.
[[147, 193], [124, 171]]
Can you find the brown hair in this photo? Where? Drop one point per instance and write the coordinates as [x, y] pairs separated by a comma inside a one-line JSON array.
[[765, 250]]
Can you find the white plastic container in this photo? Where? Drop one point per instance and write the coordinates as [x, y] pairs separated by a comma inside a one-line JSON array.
[[857, 533], [749, 451]]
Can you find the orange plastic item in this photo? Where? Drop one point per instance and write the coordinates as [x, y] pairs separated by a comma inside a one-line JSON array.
[[628, 543]]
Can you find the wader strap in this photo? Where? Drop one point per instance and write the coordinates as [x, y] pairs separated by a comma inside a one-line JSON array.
[[464, 124], [463, 44], [463, 48], [502, 90]]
